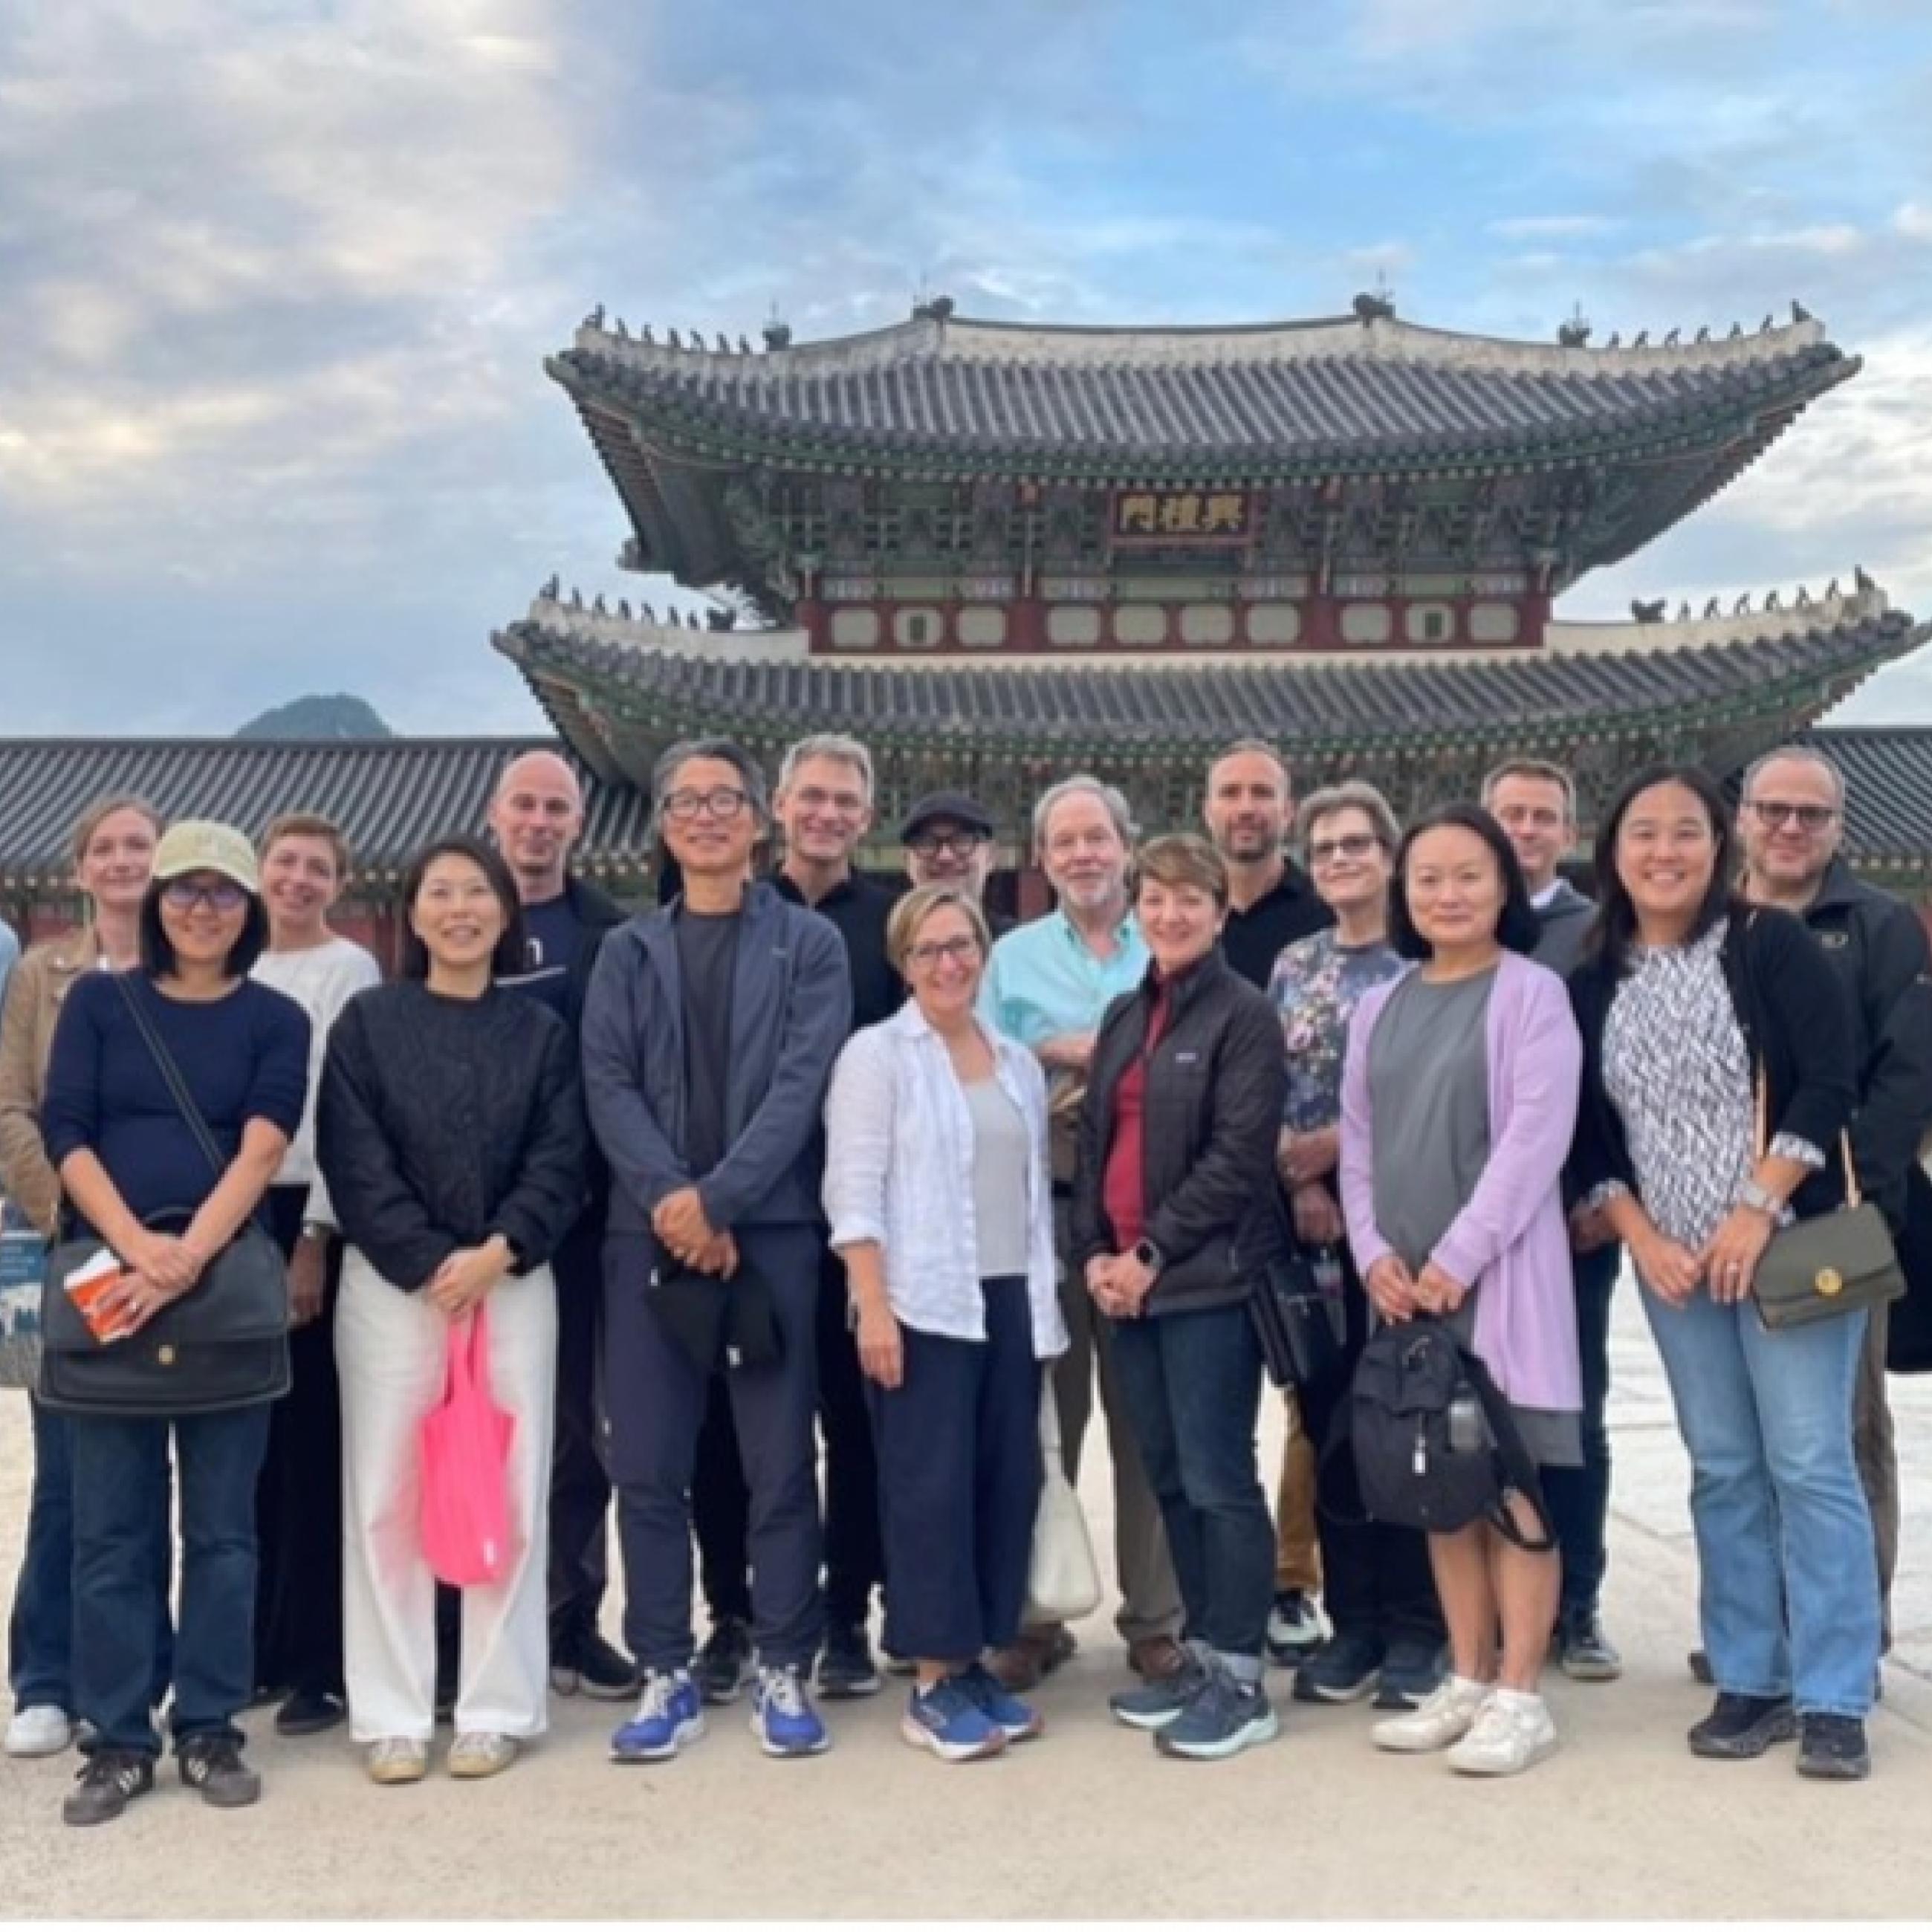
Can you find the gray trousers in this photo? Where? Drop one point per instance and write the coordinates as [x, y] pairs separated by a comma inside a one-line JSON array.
[[1149, 1594], [1877, 1455]]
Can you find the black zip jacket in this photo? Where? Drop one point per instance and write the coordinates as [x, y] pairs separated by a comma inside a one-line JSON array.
[[442, 1122], [1878, 949], [1215, 1085], [1797, 1027]]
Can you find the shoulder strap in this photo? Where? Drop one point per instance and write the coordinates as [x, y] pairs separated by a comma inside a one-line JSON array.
[[171, 1074], [1518, 1467]]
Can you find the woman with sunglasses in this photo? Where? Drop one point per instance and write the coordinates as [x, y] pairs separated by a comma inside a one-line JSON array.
[[135, 1174], [939, 1197]]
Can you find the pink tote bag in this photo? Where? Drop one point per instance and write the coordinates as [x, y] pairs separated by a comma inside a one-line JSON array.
[[465, 1444]]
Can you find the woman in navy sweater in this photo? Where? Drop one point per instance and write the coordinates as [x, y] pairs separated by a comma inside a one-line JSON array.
[[135, 1174]]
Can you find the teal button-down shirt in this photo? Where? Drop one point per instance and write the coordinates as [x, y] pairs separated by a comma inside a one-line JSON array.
[[1042, 980]]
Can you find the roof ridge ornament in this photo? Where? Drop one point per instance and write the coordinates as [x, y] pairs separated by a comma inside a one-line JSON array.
[[1574, 334]]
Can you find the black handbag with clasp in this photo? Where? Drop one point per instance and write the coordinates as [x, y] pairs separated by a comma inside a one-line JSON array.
[[223, 1344]]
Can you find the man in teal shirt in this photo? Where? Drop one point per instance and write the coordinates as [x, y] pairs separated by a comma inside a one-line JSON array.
[[1046, 985]]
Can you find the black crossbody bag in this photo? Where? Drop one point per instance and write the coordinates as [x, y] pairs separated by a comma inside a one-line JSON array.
[[223, 1344]]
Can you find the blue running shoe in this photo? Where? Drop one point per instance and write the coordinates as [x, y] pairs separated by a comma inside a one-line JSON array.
[[1018, 1721], [949, 1721], [782, 1719], [670, 1715]]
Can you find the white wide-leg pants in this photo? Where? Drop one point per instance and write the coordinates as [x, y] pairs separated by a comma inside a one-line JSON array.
[[390, 1350]]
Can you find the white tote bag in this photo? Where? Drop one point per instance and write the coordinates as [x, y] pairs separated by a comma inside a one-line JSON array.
[[1062, 1580]]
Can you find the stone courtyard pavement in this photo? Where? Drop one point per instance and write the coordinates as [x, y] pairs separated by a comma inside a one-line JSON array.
[[1087, 1823]]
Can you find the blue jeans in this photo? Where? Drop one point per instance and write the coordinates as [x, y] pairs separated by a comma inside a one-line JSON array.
[[1193, 1385], [120, 1557], [1783, 1534], [40, 1632], [1580, 1497]]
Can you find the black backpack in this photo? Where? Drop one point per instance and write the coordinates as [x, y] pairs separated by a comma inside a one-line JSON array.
[[1435, 1443]]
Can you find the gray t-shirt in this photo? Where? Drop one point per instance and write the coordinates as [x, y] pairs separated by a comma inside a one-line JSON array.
[[999, 1178], [1429, 1088]]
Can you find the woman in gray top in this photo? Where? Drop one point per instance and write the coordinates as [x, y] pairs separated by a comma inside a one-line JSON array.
[[1459, 1101]]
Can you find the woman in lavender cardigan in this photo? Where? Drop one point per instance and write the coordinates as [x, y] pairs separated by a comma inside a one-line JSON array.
[[1459, 1100]]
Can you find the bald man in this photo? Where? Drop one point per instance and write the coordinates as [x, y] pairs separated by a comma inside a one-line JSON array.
[[535, 817]]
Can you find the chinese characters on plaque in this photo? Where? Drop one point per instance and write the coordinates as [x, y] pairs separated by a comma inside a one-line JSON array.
[[1183, 516]]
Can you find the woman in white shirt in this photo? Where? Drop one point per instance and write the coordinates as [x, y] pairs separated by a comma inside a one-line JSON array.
[[937, 1188]]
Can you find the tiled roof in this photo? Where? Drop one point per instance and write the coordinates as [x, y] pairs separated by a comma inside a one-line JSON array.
[[391, 797], [959, 704], [1887, 774], [1254, 400]]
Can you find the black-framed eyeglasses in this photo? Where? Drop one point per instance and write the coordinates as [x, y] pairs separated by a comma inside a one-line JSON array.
[[721, 801], [1773, 812], [1349, 845], [961, 845], [221, 895]]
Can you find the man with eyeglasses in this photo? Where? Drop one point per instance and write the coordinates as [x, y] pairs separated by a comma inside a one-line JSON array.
[[1248, 805], [823, 807], [948, 838], [709, 1036], [1535, 803], [535, 817], [1791, 822]]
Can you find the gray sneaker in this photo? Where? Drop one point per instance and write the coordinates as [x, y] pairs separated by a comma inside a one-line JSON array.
[[1153, 1706], [1224, 1717], [1583, 1651]]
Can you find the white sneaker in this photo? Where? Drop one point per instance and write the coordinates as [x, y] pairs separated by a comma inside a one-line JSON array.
[[1445, 1715], [1512, 1731], [38, 1730]]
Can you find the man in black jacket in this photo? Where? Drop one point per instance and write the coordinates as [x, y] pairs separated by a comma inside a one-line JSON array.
[[709, 1032], [535, 818], [1535, 803], [1791, 820]]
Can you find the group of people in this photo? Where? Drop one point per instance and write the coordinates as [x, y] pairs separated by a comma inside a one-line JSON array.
[[795, 1154]]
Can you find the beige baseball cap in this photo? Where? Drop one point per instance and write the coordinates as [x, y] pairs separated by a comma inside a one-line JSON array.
[[204, 845]]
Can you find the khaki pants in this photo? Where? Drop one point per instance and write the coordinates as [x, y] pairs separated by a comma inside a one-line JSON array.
[[1877, 1456], [1149, 1596], [1298, 1558]]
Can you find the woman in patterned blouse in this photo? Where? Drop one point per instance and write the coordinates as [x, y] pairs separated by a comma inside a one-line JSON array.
[[1377, 1587], [1688, 1001]]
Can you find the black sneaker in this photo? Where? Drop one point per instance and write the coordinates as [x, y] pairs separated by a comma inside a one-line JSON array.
[[307, 1712], [588, 1666], [1295, 1628], [1347, 1666], [1583, 1651], [106, 1785], [723, 1667], [1740, 1727], [1698, 1664], [1410, 1673], [212, 1765], [1832, 1746], [845, 1666]]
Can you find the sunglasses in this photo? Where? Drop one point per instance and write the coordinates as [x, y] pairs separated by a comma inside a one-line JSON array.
[[224, 895]]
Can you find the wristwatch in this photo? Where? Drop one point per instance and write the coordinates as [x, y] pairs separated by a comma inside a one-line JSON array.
[[1759, 1199], [318, 1231], [1149, 1256]]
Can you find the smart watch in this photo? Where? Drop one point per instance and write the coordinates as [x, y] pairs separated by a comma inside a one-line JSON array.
[[1149, 1256]]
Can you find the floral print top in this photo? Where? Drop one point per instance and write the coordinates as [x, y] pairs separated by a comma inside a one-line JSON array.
[[1316, 986]]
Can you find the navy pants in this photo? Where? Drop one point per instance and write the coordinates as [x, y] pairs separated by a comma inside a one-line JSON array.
[[1193, 1385], [120, 1552], [1580, 1497], [655, 1395], [959, 1474]]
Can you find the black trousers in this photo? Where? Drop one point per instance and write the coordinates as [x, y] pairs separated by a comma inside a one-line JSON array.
[[1376, 1577], [298, 1497], [854, 1553], [959, 1477], [580, 1485]]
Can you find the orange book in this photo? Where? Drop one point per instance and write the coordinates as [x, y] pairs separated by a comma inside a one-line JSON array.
[[89, 1283]]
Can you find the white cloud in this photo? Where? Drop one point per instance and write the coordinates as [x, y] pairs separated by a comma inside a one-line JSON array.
[[1553, 227], [1913, 221]]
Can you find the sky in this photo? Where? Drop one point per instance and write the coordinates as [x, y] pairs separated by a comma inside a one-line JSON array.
[[277, 277]]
